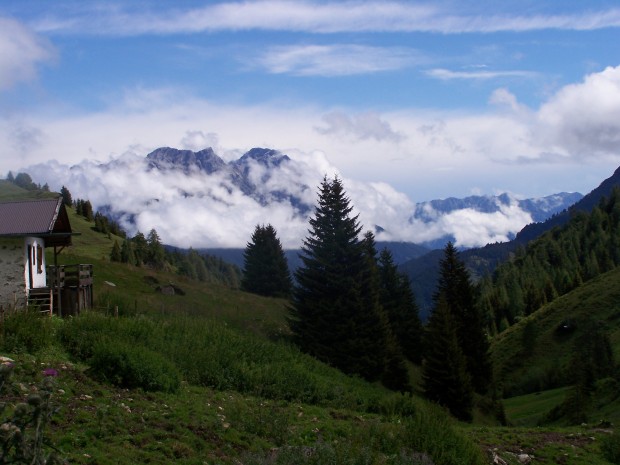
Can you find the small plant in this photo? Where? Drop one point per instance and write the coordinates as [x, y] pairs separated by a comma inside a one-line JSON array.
[[610, 447], [134, 367], [22, 424]]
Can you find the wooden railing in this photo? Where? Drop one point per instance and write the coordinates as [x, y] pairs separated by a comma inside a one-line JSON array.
[[72, 288], [70, 276]]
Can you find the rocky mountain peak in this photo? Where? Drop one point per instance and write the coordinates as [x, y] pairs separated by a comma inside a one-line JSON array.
[[167, 158]]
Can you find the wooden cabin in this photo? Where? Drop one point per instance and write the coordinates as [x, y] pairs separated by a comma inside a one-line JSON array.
[[27, 228]]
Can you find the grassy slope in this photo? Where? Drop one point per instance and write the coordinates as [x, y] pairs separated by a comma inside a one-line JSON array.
[[135, 288], [523, 357], [98, 423], [519, 356], [101, 424]]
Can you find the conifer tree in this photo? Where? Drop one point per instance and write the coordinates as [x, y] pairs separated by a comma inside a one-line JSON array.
[[156, 255], [331, 317], [66, 196], [376, 335], [265, 269], [127, 255], [140, 246], [444, 371], [24, 181], [115, 254], [455, 287], [398, 301]]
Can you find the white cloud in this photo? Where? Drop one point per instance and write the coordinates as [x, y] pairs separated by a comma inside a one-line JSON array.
[[471, 228], [426, 154], [20, 52], [196, 210], [362, 126], [582, 120], [336, 59], [198, 140], [202, 210], [316, 17], [446, 74]]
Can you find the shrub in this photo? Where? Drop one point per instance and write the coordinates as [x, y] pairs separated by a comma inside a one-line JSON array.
[[80, 335], [431, 431], [610, 448], [26, 331], [133, 367]]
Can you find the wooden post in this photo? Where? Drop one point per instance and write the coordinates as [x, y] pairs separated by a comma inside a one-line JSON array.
[[116, 311]]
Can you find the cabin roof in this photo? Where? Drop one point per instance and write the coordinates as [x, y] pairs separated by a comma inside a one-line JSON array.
[[45, 218]]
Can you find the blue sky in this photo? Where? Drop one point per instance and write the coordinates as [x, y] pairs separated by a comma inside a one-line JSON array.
[[436, 99]]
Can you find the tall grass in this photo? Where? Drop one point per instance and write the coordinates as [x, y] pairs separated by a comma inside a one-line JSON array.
[[26, 332], [154, 352], [209, 353]]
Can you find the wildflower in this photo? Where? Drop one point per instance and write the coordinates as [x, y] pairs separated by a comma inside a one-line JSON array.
[[50, 372]]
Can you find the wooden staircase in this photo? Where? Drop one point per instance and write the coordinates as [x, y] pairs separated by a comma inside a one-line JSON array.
[[41, 299]]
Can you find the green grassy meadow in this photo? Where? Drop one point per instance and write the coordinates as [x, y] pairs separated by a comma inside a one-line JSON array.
[[210, 377]]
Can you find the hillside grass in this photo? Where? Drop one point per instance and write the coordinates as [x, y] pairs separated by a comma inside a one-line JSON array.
[[206, 377], [534, 354], [219, 383]]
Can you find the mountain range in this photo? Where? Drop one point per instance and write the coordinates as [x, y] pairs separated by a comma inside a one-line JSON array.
[[253, 171], [218, 202]]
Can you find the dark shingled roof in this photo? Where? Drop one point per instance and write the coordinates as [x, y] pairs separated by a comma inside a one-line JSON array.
[[46, 218]]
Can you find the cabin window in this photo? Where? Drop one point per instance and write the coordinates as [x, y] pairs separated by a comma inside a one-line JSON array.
[[39, 259]]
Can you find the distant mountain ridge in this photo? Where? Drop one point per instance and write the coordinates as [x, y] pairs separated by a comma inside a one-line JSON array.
[[539, 208], [219, 201], [422, 271], [242, 174]]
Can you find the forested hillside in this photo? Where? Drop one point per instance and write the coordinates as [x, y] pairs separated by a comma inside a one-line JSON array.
[[423, 271], [556, 263]]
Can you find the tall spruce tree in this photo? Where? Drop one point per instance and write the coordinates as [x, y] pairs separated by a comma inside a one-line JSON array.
[[66, 196], [398, 301], [389, 361], [115, 254], [156, 254], [333, 316], [455, 287], [444, 371], [265, 269]]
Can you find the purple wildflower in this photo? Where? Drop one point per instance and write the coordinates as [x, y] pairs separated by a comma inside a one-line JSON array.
[[50, 372]]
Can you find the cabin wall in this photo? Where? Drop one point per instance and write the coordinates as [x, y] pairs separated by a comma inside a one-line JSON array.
[[13, 293], [34, 259]]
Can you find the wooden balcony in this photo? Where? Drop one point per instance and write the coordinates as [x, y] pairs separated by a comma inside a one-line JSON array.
[[71, 287]]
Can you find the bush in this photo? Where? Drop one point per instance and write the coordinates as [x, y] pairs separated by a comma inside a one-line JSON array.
[[26, 332], [133, 367], [432, 432], [610, 448]]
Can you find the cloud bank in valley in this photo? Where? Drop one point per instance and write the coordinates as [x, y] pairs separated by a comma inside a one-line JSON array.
[[195, 209]]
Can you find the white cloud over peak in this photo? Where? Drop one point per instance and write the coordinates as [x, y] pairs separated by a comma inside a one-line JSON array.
[[200, 210], [21, 51]]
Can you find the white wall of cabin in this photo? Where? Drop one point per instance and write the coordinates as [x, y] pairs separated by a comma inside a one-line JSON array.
[[36, 264]]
